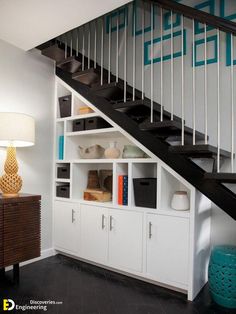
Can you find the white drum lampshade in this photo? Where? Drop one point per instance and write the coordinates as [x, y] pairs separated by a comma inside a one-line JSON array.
[[16, 130]]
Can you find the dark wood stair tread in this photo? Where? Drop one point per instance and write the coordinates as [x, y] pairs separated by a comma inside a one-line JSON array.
[[113, 91], [54, 52], [172, 127], [224, 177], [124, 106], [87, 77], [199, 151], [71, 64]]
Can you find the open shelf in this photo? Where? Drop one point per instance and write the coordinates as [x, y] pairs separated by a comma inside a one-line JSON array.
[[169, 185], [88, 140], [78, 103], [80, 177], [111, 130], [142, 170]]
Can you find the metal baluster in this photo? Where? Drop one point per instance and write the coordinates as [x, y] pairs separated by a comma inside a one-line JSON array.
[[117, 47], [162, 106], [134, 46], [102, 48], [125, 57], [65, 46], [95, 44], [205, 84], [71, 43], [109, 52], [83, 52], [77, 42], [232, 102], [194, 86], [182, 80], [89, 45], [143, 25], [218, 101], [172, 67], [152, 57]]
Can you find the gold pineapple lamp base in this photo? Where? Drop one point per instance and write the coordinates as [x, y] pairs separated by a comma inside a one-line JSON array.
[[11, 182]]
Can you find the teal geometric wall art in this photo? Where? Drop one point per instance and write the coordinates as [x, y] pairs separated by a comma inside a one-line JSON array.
[[166, 57], [199, 44]]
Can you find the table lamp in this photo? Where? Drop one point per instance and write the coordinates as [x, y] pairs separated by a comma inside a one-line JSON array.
[[16, 130]]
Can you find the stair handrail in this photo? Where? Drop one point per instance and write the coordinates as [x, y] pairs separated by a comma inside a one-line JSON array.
[[198, 15]]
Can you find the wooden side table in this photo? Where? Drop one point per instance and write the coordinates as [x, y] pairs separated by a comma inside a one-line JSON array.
[[20, 219]]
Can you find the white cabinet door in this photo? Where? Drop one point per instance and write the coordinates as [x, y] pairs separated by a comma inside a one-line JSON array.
[[168, 248], [125, 239], [66, 226], [94, 233]]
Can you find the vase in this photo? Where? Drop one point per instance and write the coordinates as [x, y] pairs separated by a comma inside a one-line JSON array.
[[180, 201], [132, 151], [112, 151]]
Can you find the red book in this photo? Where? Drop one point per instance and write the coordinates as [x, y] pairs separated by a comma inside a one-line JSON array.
[[120, 190]]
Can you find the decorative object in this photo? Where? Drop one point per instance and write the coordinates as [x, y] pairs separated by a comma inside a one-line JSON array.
[[92, 152], [145, 192], [222, 275], [93, 180], [112, 152], [78, 125], [85, 110], [180, 201], [65, 106], [16, 130], [96, 123], [132, 151], [105, 177], [97, 195]]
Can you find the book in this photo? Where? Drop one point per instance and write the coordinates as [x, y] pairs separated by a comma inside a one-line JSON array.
[[125, 190], [61, 147], [120, 190]]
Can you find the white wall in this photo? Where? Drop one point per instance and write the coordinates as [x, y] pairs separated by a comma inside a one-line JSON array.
[[27, 86]]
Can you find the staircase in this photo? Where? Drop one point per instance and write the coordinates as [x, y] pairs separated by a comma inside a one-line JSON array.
[[164, 132]]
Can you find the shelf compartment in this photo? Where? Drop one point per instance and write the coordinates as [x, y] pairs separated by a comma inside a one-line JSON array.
[[80, 177], [88, 140], [62, 190], [121, 169], [79, 103], [142, 171], [60, 141], [169, 185]]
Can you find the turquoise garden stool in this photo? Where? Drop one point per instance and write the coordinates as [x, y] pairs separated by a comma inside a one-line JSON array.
[[222, 275]]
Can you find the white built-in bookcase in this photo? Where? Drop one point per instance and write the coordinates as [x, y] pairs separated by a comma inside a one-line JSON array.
[[197, 218]]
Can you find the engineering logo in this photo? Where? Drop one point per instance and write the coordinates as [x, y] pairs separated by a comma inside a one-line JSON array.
[[8, 305]]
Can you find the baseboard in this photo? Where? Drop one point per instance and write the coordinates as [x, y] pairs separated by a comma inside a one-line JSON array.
[[44, 254]]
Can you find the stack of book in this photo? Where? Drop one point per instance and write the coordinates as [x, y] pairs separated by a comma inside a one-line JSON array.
[[122, 190]]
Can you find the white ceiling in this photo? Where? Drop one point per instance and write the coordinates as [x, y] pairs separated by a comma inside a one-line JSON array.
[[28, 23]]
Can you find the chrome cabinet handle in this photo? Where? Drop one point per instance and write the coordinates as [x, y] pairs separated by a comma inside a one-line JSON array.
[[111, 227], [73, 215], [150, 230], [103, 221]]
